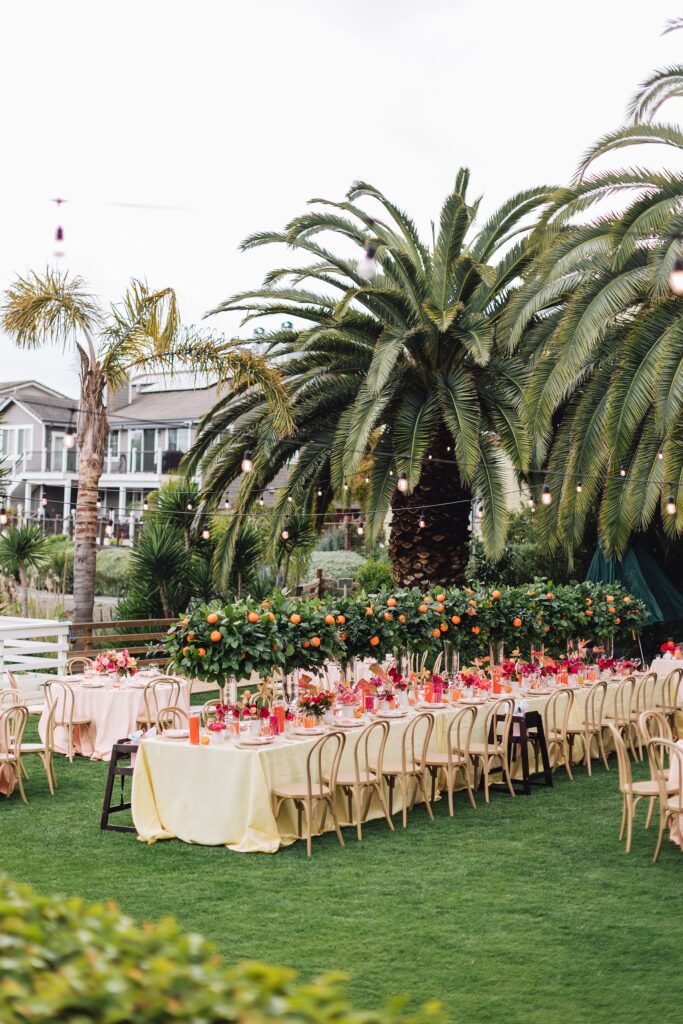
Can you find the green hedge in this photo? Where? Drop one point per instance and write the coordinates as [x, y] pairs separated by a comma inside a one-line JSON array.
[[111, 577], [66, 960], [336, 564]]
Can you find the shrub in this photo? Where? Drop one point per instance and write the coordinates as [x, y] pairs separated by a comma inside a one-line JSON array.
[[376, 574], [66, 960], [112, 572], [336, 564]]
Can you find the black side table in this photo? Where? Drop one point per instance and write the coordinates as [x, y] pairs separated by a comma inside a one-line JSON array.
[[120, 766], [527, 728]]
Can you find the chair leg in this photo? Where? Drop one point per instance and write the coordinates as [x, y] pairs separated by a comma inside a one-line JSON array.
[[506, 773], [433, 771], [333, 808], [567, 758], [425, 793], [20, 784], [383, 804], [601, 749], [660, 837], [404, 795], [309, 828], [391, 783], [650, 811], [624, 813], [587, 740], [485, 769], [358, 800], [469, 782], [629, 823], [450, 786]]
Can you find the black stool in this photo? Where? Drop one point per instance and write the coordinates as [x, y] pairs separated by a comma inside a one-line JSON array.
[[120, 766], [529, 729]]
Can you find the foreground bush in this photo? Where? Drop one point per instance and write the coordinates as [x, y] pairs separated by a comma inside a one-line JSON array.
[[66, 960]]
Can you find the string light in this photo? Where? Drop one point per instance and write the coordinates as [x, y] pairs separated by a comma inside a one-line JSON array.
[[671, 505], [660, 456], [98, 503], [421, 521], [247, 462], [206, 533], [43, 501], [579, 488], [226, 504], [622, 472], [367, 266], [402, 482], [261, 501], [546, 496], [320, 493], [145, 505], [531, 503], [360, 529], [367, 479], [69, 439], [109, 528], [676, 277], [285, 533], [290, 498], [3, 516], [189, 506]]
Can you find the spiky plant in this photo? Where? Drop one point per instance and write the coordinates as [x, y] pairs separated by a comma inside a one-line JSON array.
[[403, 373], [143, 330], [23, 548]]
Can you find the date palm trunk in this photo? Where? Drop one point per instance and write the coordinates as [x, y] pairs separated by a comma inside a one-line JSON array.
[[23, 581], [91, 435], [437, 554]]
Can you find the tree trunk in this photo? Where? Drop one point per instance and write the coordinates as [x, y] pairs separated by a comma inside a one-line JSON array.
[[91, 434], [437, 554], [285, 568], [24, 590], [168, 614]]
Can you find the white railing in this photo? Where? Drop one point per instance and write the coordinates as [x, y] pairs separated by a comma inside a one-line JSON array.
[[31, 648]]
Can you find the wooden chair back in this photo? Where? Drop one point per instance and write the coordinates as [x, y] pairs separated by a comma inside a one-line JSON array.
[[653, 724], [162, 691], [172, 717], [595, 706], [415, 742], [208, 708], [624, 700], [644, 695], [459, 734], [367, 763], [76, 666], [59, 696], [329, 747], [557, 711], [497, 726], [659, 752], [9, 699], [623, 760], [669, 693], [12, 724]]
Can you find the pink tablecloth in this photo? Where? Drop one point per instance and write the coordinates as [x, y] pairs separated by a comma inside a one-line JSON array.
[[113, 713]]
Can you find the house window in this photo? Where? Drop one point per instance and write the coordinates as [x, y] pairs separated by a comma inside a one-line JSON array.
[[15, 441], [113, 443], [177, 439]]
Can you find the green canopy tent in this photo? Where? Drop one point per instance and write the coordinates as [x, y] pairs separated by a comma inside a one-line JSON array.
[[641, 575]]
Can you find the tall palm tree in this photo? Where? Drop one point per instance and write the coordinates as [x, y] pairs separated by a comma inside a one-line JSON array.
[[23, 548], [399, 374], [605, 400], [143, 330]]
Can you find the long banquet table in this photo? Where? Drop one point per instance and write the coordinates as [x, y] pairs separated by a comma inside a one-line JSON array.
[[220, 795], [113, 712]]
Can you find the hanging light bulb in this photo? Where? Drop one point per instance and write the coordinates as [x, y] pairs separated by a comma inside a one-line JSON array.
[[109, 528], [430, 457], [402, 482], [189, 506], [43, 501], [247, 462], [579, 487], [531, 503], [69, 439], [290, 498], [320, 493], [546, 496], [676, 278], [98, 503], [448, 447], [285, 533], [206, 533], [346, 487], [226, 504], [421, 522], [367, 266], [622, 471], [3, 516], [360, 529], [660, 455], [145, 505], [260, 501], [671, 505]]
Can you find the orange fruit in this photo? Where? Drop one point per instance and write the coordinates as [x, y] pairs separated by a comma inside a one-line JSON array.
[[388, 617], [436, 633], [216, 636], [588, 611], [402, 618], [627, 600], [190, 636], [315, 641], [550, 596], [374, 641], [517, 622], [422, 608], [610, 599], [329, 620], [472, 602], [444, 627], [369, 610], [271, 616], [295, 619], [495, 594], [342, 636], [471, 611], [201, 652], [440, 607], [588, 601], [391, 602], [212, 618], [617, 621], [185, 650], [274, 647], [441, 597], [253, 616], [547, 629], [612, 610], [455, 619], [341, 619], [476, 630], [186, 622], [306, 643]]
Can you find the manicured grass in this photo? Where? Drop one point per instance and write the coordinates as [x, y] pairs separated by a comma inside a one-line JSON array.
[[523, 911]]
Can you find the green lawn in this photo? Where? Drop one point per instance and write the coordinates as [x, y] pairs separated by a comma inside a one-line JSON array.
[[526, 910]]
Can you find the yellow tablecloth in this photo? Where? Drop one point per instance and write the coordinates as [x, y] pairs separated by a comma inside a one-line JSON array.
[[221, 795]]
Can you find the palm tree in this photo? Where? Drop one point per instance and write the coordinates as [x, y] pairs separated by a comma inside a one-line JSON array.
[[400, 374], [161, 566], [605, 400], [23, 548], [144, 330]]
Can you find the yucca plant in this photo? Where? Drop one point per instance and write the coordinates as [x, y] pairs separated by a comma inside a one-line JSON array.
[[605, 400], [400, 374], [23, 548], [143, 330]]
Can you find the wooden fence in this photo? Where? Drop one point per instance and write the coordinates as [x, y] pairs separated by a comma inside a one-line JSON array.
[[89, 638], [322, 585]]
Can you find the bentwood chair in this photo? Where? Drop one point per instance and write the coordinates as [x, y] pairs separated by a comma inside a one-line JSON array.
[[670, 785], [77, 665], [410, 770], [59, 695], [12, 724], [495, 747], [208, 709], [621, 715], [653, 725], [33, 709], [668, 700], [315, 792], [591, 727], [556, 714], [172, 717], [160, 692], [360, 784], [43, 750], [456, 757], [643, 700], [9, 699], [632, 792]]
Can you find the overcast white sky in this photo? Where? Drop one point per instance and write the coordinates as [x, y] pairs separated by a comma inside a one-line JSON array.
[[241, 110]]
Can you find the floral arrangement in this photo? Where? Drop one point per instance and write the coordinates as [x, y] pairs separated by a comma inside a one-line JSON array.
[[316, 704], [347, 695], [606, 664], [573, 665], [120, 662], [625, 665], [397, 680], [668, 647]]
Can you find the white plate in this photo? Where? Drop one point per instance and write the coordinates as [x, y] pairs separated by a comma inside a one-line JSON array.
[[92, 684], [346, 723], [318, 730], [393, 713], [176, 734], [254, 741], [425, 706], [471, 700]]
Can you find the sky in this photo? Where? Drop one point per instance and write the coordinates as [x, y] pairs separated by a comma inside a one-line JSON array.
[[228, 116]]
